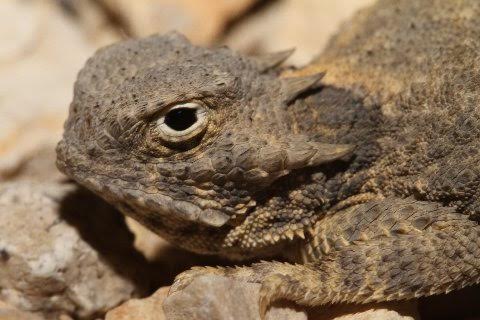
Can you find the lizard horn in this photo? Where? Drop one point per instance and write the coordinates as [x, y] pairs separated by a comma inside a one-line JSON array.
[[309, 153], [293, 86], [296, 152], [268, 61]]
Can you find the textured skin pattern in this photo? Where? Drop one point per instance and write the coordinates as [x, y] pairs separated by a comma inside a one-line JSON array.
[[111, 143], [369, 180]]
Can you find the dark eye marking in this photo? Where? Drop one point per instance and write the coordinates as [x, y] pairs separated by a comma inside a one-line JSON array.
[[182, 123], [180, 119]]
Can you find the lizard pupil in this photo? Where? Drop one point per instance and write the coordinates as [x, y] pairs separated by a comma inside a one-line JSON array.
[[181, 118]]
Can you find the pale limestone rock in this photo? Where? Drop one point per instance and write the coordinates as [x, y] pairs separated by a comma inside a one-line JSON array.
[[374, 314], [217, 297], [8, 312], [303, 24], [236, 300], [213, 297], [146, 309], [201, 21], [62, 250], [404, 310]]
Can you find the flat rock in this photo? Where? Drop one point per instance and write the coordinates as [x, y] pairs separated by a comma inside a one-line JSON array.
[[62, 250], [146, 309], [8, 312], [213, 297], [404, 310], [218, 297]]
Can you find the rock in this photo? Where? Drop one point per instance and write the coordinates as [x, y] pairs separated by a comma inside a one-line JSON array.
[[8, 312], [63, 250], [42, 50], [217, 297], [405, 310], [304, 24], [374, 314], [212, 297], [201, 21], [146, 309]]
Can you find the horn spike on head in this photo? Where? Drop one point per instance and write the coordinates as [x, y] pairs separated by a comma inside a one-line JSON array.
[[269, 61], [307, 154], [293, 86], [296, 152]]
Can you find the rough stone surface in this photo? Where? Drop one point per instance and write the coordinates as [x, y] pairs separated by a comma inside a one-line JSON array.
[[214, 297], [406, 310], [146, 309], [303, 24], [222, 298], [235, 300], [64, 251], [8, 312], [374, 314], [201, 21]]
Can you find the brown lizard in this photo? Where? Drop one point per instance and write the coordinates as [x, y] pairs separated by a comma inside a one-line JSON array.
[[367, 181]]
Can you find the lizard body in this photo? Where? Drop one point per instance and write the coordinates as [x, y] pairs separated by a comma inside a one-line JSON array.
[[367, 180]]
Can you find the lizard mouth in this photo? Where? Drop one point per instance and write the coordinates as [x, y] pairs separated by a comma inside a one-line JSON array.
[[182, 209], [118, 191], [159, 203]]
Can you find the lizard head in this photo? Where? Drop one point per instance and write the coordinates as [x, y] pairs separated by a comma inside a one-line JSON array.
[[173, 134]]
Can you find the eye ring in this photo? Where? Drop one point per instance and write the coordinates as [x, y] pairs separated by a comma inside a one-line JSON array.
[[182, 122]]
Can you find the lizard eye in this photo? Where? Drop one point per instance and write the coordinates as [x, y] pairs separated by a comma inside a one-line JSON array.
[[182, 122]]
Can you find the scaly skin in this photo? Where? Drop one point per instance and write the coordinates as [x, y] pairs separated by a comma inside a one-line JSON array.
[[368, 181]]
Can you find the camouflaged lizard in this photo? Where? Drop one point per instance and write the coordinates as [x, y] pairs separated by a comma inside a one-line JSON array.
[[367, 180]]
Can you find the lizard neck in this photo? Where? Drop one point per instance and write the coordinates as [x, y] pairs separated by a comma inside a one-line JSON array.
[[294, 203]]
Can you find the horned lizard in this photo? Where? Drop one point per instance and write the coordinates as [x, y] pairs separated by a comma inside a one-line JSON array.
[[367, 180]]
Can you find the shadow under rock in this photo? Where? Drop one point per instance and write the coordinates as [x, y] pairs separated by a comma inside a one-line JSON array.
[[172, 261], [104, 229]]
